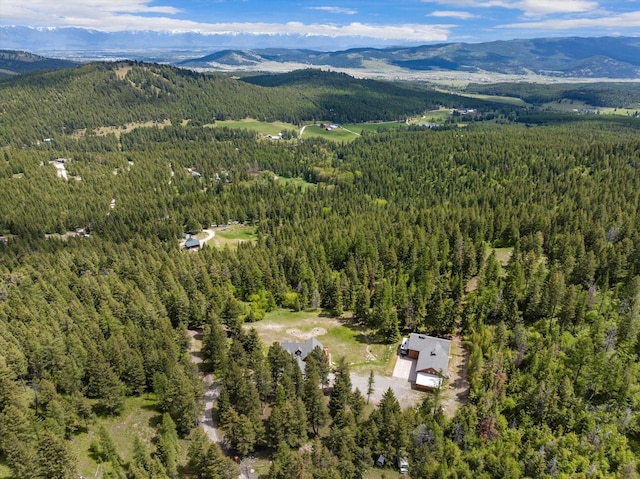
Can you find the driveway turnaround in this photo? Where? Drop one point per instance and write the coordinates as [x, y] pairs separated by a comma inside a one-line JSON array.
[[405, 368]]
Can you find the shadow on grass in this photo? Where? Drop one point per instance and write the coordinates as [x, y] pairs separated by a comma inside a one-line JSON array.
[[365, 334]]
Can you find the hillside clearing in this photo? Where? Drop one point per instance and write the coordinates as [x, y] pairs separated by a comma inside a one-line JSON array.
[[264, 128], [341, 337]]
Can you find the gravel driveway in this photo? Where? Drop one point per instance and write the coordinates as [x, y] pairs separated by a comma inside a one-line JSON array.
[[401, 387]]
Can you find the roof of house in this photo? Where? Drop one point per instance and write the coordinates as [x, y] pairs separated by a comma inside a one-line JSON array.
[[191, 242], [300, 351], [433, 352], [428, 380]]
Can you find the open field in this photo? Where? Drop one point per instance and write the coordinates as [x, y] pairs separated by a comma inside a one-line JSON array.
[[261, 127], [232, 235], [574, 106], [434, 116], [619, 111], [371, 127], [509, 100], [342, 338], [339, 134]]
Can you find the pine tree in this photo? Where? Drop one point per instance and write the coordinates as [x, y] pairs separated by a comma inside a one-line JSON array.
[[181, 400], [341, 388], [55, 458], [370, 385], [361, 311], [317, 410], [167, 445]]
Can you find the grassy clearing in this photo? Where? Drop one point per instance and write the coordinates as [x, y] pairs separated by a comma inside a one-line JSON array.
[[569, 106], [619, 111], [264, 128], [434, 116], [232, 235], [378, 473], [372, 127], [509, 100], [342, 338], [138, 419], [503, 255], [296, 183], [339, 134]]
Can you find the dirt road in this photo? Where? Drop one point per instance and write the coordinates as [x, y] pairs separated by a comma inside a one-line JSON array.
[[211, 392]]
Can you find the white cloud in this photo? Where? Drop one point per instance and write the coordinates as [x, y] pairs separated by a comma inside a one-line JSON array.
[[344, 11], [530, 8], [50, 9], [472, 3], [119, 15], [534, 8], [622, 20], [452, 14]]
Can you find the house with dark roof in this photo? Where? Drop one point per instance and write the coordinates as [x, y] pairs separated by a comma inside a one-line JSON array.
[[300, 351], [432, 356], [192, 243]]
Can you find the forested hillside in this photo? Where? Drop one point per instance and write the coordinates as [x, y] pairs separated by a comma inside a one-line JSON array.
[[113, 94], [390, 229], [617, 95], [17, 62]]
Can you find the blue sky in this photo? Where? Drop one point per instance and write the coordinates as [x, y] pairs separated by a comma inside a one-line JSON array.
[[377, 21]]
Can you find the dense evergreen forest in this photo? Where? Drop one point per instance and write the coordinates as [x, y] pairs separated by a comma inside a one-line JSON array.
[[616, 95], [386, 231]]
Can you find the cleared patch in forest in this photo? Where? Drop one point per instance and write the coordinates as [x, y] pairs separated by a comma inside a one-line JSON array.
[[139, 415], [262, 127], [503, 255], [341, 337], [122, 71], [372, 127], [434, 116], [232, 235], [300, 183], [337, 134], [119, 130], [620, 111], [509, 100], [378, 473]]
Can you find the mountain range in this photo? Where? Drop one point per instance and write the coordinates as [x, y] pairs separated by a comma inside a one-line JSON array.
[[608, 57], [572, 57]]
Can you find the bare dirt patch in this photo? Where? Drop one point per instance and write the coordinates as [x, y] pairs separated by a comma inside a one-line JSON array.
[[296, 333], [472, 285], [122, 71]]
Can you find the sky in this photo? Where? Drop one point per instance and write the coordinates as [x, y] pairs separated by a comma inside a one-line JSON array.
[[393, 22]]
